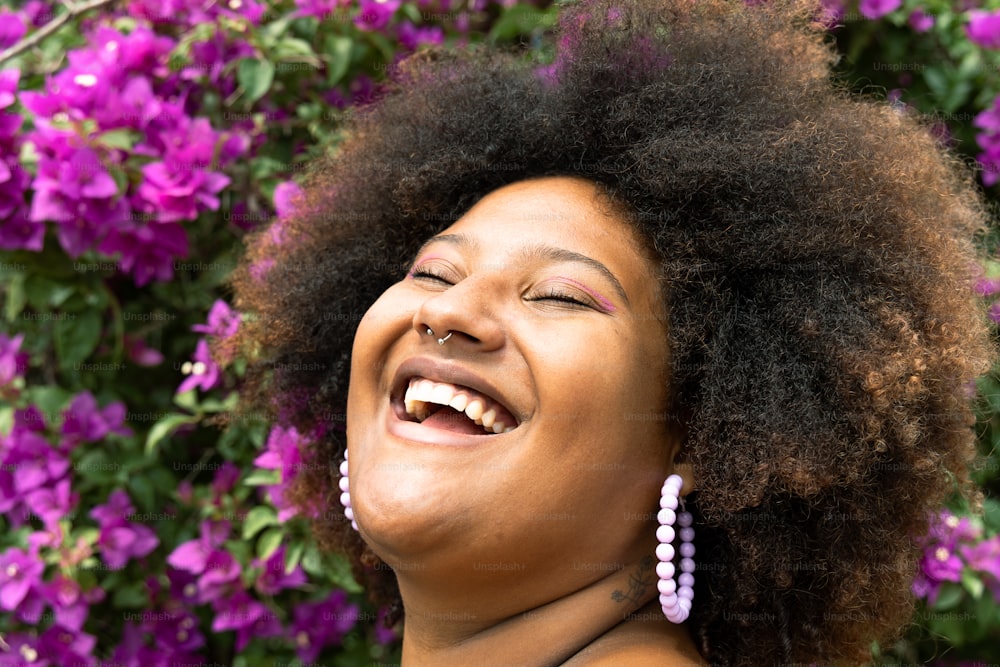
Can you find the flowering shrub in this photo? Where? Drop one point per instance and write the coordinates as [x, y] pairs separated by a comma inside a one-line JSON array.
[[139, 142]]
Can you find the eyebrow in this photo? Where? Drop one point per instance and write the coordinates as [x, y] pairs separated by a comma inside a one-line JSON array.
[[537, 251]]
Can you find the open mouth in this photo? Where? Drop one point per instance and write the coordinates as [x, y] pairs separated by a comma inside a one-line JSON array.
[[452, 407]]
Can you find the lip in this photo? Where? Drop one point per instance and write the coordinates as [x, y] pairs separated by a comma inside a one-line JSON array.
[[441, 371]]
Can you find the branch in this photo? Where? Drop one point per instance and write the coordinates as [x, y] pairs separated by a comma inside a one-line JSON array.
[[73, 10]]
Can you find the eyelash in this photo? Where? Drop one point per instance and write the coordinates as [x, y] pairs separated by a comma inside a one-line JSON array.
[[551, 295]]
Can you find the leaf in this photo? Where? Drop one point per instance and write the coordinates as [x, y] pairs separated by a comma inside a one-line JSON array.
[[262, 477], [76, 336], [949, 597], [294, 555], [120, 138], [269, 542], [520, 20], [257, 519], [165, 427], [338, 51], [972, 583], [255, 77], [16, 297], [131, 596]]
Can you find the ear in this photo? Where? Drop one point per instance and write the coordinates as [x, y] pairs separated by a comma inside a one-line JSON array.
[[686, 471]]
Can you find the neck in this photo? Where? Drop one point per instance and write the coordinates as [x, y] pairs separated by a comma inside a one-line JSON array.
[[544, 634]]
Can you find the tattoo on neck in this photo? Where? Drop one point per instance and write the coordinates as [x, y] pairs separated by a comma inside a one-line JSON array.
[[639, 582]]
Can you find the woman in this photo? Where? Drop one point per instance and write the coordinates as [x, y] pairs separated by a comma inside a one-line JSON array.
[[672, 302]]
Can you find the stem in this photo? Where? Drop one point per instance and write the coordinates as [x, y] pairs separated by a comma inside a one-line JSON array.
[[73, 10]]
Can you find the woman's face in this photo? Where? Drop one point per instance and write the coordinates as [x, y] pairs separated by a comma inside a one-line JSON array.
[[556, 321]]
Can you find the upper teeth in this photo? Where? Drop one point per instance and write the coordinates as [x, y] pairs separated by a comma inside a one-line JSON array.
[[422, 391]]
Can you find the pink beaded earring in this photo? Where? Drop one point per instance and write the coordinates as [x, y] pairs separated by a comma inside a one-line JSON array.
[[345, 497], [675, 596]]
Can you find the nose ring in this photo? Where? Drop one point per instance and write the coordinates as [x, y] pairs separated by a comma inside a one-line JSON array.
[[441, 341]]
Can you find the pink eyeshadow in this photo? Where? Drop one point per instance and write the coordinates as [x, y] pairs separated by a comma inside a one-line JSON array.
[[605, 303]]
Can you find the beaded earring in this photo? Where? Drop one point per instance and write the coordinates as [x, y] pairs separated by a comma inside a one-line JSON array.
[[675, 596], [345, 496]]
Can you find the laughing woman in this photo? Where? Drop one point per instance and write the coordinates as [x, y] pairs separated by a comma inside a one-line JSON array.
[[657, 354]]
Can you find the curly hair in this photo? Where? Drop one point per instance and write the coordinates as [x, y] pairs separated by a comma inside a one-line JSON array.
[[815, 253]]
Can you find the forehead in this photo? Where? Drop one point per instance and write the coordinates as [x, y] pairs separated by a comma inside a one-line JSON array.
[[559, 211]]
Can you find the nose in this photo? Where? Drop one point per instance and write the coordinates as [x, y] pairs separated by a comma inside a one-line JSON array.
[[461, 316]]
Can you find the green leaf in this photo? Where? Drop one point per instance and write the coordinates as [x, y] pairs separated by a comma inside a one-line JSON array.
[[255, 77], [257, 519], [269, 542], [294, 555], [520, 19], [972, 583], [16, 297], [121, 138], [165, 427], [338, 51], [76, 336], [991, 514], [262, 477], [949, 597], [131, 596], [97, 465]]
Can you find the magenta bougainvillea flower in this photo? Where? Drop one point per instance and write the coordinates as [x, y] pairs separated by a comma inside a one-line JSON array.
[[120, 540], [13, 362], [223, 322], [84, 421], [375, 14], [873, 9], [984, 28], [316, 625], [283, 453], [273, 579], [20, 571]]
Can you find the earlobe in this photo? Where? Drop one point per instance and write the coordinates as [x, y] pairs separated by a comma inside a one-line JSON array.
[[686, 471]]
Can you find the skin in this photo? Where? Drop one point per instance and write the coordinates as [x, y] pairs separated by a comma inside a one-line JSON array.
[[531, 547]]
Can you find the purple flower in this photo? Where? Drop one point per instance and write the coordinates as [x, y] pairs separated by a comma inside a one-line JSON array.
[[384, 635], [34, 460], [203, 372], [139, 353], [920, 21], [147, 251], [118, 508], [247, 616], [192, 556], [320, 9], [84, 421], [375, 15], [412, 37], [273, 579], [873, 9], [984, 28], [317, 625], [65, 647], [175, 630], [13, 362], [12, 28], [286, 195], [8, 86], [223, 321], [284, 454], [121, 540], [74, 189], [225, 479], [22, 651], [68, 603], [124, 541], [20, 571], [52, 503]]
